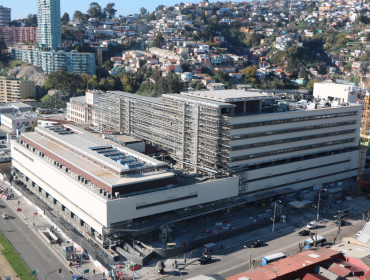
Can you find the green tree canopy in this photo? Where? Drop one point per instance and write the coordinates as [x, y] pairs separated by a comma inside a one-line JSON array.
[[3, 55], [109, 10], [143, 11], [65, 18], [95, 11], [159, 40]]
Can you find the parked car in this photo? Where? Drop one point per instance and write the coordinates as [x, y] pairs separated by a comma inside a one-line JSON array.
[[256, 244], [312, 224], [359, 233], [5, 216], [304, 232], [205, 259]]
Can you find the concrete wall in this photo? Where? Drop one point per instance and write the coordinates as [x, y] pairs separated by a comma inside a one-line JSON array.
[[87, 206], [287, 136], [97, 211], [345, 93], [125, 208]]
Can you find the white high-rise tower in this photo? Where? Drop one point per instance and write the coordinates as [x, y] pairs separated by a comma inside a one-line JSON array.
[[48, 22]]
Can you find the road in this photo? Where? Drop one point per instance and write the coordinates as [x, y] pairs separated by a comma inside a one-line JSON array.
[[34, 251], [236, 260]]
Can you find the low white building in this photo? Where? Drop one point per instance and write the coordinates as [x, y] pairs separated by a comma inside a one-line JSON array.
[[18, 123], [335, 92], [79, 109], [215, 86]]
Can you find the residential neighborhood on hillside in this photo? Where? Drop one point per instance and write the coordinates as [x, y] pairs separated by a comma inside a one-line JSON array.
[[204, 141]]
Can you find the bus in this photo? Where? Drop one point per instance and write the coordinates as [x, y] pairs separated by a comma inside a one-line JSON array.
[[309, 243], [272, 258]]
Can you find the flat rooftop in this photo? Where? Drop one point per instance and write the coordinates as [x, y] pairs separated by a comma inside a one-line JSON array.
[[20, 116], [352, 250], [230, 95], [94, 147], [212, 103], [85, 144]]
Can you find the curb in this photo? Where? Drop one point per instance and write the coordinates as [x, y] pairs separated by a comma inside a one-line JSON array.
[[38, 235], [165, 276]]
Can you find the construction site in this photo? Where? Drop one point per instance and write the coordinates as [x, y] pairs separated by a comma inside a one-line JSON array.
[[209, 154]]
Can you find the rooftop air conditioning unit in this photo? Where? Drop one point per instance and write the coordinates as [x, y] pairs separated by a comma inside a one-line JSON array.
[[116, 194]]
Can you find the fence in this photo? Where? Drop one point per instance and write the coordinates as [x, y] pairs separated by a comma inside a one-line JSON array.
[[92, 249], [170, 253]]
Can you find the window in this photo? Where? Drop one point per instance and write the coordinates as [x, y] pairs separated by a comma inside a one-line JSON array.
[[166, 201], [291, 150], [277, 142], [276, 132], [327, 116]]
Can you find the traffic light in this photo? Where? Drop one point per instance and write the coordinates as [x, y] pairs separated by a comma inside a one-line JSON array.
[[60, 270]]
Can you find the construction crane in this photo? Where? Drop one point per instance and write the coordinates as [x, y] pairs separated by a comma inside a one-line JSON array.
[[363, 145]]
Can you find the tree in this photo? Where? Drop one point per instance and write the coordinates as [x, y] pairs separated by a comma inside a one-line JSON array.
[[65, 18], [30, 21], [363, 67], [303, 74], [129, 84], [151, 16], [3, 55], [159, 40], [278, 24], [64, 81], [159, 8], [143, 11], [78, 15], [109, 10], [310, 84], [198, 86], [169, 84], [95, 10]]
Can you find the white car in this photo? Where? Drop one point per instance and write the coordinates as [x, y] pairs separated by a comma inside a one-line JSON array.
[[312, 225], [359, 233], [5, 216]]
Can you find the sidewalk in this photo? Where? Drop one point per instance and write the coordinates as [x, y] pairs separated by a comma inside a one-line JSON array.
[[37, 222], [294, 223]]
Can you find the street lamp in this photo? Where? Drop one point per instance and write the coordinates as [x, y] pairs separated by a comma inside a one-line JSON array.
[[180, 273], [273, 220], [250, 258], [318, 204]]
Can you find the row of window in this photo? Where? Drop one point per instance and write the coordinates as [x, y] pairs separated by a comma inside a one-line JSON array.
[[296, 171], [291, 130], [166, 201], [301, 181], [291, 150], [283, 141], [301, 119]]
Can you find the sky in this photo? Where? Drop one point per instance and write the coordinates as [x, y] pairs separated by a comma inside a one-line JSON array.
[[21, 8]]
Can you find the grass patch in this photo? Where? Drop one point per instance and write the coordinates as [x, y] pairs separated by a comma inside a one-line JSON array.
[[15, 260], [45, 97]]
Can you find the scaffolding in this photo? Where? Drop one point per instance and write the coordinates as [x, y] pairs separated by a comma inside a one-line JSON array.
[[197, 134]]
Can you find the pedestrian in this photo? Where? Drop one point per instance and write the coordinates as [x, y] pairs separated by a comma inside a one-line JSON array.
[[18, 202], [94, 271], [185, 261], [221, 247], [303, 223]]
